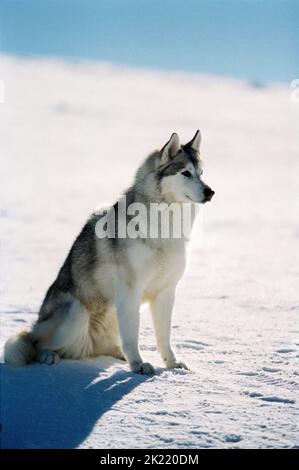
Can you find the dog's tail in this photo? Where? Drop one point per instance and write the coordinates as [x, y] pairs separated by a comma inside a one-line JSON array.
[[19, 349]]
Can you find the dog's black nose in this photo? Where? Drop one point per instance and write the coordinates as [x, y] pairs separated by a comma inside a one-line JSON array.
[[208, 193]]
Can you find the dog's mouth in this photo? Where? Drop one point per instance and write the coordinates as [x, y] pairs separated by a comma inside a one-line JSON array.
[[203, 201], [192, 200], [206, 199]]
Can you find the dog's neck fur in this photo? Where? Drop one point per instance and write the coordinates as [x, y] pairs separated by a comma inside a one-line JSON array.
[[146, 190], [146, 186]]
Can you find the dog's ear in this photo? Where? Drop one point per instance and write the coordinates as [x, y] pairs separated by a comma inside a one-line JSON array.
[[170, 149], [195, 142]]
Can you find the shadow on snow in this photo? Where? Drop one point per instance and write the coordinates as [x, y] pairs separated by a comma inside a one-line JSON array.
[[57, 406]]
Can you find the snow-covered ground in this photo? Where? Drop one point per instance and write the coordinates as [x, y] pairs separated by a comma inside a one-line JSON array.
[[71, 137]]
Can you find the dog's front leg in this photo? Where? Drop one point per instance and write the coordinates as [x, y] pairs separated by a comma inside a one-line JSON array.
[[161, 308], [128, 303]]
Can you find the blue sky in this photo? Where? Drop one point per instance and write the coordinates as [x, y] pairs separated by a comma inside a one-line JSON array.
[[250, 39]]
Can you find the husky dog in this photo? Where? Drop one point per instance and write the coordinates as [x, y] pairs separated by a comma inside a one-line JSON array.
[[92, 308]]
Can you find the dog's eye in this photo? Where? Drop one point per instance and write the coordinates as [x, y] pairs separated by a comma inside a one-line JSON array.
[[186, 173]]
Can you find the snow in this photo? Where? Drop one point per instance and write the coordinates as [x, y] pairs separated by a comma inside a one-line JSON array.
[[72, 135]]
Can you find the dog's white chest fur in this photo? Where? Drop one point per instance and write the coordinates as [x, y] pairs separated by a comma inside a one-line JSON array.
[[155, 269]]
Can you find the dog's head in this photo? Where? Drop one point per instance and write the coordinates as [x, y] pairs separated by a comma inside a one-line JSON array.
[[180, 172]]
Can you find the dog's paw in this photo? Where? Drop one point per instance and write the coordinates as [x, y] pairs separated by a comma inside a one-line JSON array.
[[48, 357], [144, 368], [177, 365]]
